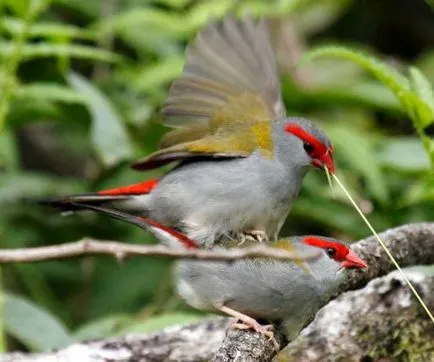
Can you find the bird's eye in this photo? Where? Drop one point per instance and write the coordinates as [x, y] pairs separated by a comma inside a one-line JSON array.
[[308, 147], [331, 252]]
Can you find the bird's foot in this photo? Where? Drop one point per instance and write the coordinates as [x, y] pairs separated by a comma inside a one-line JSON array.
[[266, 330], [251, 323], [231, 322], [254, 235]]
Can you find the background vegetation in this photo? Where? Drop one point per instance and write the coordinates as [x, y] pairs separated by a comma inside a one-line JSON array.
[[80, 86]]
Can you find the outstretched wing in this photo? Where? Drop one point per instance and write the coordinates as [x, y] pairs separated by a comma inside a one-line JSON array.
[[225, 101]]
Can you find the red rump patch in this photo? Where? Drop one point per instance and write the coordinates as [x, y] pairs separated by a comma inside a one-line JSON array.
[[185, 240], [319, 149], [341, 250], [136, 189]]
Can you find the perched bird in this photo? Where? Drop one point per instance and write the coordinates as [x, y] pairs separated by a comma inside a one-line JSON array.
[[265, 289], [241, 160]]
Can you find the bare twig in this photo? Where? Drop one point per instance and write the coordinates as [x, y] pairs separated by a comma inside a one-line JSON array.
[[410, 244], [122, 250]]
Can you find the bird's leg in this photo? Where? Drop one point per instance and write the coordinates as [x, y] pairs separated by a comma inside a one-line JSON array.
[[249, 323], [231, 322], [255, 235]]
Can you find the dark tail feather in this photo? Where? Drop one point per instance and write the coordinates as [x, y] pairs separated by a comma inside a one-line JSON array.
[[77, 202], [166, 235], [119, 215]]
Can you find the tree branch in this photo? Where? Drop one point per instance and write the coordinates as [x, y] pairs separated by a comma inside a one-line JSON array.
[[372, 324], [123, 250], [197, 342], [389, 302], [410, 244]]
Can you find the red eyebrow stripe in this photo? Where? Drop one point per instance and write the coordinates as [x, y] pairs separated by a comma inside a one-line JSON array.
[[296, 130], [341, 250], [321, 243]]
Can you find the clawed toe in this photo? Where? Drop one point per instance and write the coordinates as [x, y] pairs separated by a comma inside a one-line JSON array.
[[247, 322], [269, 333], [253, 235], [240, 326], [266, 330]]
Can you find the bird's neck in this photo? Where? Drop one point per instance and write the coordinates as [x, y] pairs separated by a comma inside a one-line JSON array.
[[285, 146], [326, 271]]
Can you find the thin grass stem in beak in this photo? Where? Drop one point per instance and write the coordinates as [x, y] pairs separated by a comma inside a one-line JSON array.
[[416, 294], [329, 180]]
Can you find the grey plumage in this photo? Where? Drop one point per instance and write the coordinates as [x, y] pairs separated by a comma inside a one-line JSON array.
[[262, 289], [209, 200], [245, 174]]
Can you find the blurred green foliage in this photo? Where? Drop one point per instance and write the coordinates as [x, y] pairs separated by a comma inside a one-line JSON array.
[[80, 86]]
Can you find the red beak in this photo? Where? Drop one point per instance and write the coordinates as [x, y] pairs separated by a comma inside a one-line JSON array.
[[325, 160], [353, 261]]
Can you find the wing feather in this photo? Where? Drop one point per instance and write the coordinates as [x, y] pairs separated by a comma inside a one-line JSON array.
[[227, 98], [226, 59]]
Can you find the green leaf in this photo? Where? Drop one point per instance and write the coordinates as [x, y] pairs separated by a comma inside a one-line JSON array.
[[327, 213], [22, 8], [330, 72], [108, 133], [49, 92], [416, 107], [22, 111], [177, 4], [265, 8], [3, 346], [37, 7], [135, 283], [45, 50], [14, 26], [394, 80], [19, 7], [156, 323], [32, 277], [147, 29], [421, 85], [8, 150], [150, 20], [423, 89], [90, 9], [33, 326], [357, 148], [425, 63], [203, 12], [19, 185], [420, 191], [403, 153], [102, 327], [430, 3], [428, 142], [158, 75], [371, 94], [315, 16]]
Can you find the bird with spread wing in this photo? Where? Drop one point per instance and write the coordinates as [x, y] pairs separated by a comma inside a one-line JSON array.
[[240, 161]]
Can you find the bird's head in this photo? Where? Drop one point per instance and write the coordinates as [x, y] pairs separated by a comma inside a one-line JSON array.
[[336, 251], [315, 147]]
